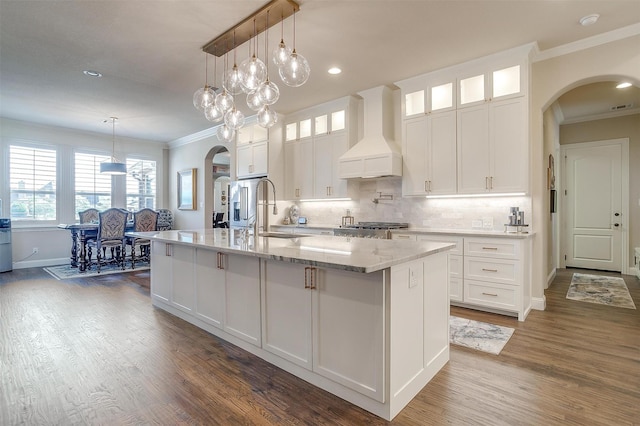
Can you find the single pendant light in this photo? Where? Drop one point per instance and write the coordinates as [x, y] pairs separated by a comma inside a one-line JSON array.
[[113, 167]]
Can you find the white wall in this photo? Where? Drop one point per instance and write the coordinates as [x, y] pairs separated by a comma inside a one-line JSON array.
[[550, 79], [55, 244]]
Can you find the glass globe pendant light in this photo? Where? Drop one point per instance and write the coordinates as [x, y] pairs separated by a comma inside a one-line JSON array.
[[225, 134], [211, 111], [224, 101], [234, 118], [253, 70], [267, 117], [253, 101], [204, 95], [295, 72], [233, 79], [268, 93], [281, 54]]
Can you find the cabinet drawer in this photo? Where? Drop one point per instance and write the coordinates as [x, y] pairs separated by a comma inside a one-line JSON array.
[[491, 295], [494, 247], [455, 265], [492, 270], [458, 241]]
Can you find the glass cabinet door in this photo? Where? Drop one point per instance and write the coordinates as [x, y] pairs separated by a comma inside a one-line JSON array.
[[506, 81], [472, 89], [414, 103]]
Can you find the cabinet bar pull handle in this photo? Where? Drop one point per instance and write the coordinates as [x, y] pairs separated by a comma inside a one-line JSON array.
[[313, 278], [490, 182], [489, 270], [403, 237], [167, 250], [486, 182], [426, 188], [490, 294], [489, 248], [306, 282]]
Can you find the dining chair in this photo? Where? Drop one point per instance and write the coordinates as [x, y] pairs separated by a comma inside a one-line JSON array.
[[89, 216], [111, 228], [218, 221], [165, 220], [145, 220]]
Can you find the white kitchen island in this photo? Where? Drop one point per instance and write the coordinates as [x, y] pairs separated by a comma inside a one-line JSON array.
[[367, 320]]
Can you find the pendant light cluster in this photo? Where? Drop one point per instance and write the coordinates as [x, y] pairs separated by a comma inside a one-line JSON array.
[[251, 77]]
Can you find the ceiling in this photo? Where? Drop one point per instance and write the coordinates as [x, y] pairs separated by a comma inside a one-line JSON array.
[[149, 52]]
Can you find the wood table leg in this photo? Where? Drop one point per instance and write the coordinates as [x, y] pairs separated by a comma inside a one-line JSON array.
[[74, 248], [83, 252]]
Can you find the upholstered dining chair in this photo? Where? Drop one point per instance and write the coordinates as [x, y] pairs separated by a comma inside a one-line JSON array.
[[89, 216], [145, 220], [111, 227], [165, 220]]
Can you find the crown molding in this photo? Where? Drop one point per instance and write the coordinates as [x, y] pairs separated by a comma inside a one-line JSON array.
[[589, 42], [603, 116]]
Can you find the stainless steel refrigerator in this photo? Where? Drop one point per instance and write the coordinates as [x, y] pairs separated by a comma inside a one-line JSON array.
[[242, 202]]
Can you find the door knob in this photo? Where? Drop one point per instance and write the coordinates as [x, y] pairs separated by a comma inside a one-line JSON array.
[[616, 224], [616, 214]]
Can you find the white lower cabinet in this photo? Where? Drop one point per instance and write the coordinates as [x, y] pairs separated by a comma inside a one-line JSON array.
[[161, 273], [242, 297], [487, 273], [309, 312], [210, 288], [217, 288]]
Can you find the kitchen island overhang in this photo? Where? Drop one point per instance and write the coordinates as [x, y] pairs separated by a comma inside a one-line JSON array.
[[367, 320]]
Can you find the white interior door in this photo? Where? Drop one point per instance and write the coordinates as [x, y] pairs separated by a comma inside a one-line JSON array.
[[595, 205]]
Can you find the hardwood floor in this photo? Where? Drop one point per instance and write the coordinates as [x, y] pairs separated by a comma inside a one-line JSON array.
[[95, 351]]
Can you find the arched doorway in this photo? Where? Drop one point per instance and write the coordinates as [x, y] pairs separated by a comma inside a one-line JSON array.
[[216, 184], [585, 113]]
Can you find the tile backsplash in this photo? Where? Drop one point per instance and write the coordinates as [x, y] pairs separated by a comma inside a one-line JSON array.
[[489, 213]]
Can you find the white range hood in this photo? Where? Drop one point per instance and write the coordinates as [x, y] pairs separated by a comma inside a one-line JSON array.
[[376, 154]]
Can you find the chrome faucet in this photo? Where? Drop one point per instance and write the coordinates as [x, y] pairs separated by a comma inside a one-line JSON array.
[[275, 208]]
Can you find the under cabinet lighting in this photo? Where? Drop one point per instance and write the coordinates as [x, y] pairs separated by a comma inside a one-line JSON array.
[[325, 199], [491, 194]]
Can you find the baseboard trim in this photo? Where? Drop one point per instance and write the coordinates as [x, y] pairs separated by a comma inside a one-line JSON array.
[[539, 303], [551, 277], [40, 263]]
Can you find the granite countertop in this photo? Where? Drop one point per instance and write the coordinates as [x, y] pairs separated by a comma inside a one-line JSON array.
[[465, 232], [349, 254]]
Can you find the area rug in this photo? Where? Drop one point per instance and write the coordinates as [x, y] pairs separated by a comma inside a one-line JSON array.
[[478, 335], [64, 272], [611, 291]]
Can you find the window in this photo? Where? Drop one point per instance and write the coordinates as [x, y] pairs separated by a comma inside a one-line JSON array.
[[92, 188], [32, 183], [141, 184]]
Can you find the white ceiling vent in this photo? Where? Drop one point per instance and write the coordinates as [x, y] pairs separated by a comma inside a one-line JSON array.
[[620, 107]]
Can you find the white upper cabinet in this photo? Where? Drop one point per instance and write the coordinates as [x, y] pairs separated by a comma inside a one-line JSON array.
[[428, 94], [492, 83], [314, 141], [252, 151], [465, 128]]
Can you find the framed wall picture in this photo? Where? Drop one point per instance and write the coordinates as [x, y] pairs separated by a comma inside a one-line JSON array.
[[187, 189]]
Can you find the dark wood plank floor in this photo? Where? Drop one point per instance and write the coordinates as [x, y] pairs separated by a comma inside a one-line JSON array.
[[94, 351]]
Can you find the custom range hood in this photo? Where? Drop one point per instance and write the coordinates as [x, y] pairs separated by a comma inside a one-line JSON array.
[[376, 154]]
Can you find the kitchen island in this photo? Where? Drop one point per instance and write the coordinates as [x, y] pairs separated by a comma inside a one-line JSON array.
[[367, 320]]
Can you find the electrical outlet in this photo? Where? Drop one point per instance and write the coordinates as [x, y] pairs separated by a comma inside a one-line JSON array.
[[35, 250], [487, 222], [475, 224]]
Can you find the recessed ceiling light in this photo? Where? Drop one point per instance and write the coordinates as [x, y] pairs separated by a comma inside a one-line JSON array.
[[623, 85], [92, 73], [334, 70], [585, 21]]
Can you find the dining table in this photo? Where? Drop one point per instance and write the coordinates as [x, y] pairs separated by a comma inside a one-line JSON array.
[[80, 232]]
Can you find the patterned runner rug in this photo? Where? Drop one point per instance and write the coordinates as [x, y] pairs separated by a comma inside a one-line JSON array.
[[478, 335], [64, 272], [611, 291]]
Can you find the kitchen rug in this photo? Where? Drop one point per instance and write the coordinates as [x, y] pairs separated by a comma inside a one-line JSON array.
[[611, 291], [64, 272], [478, 335]]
